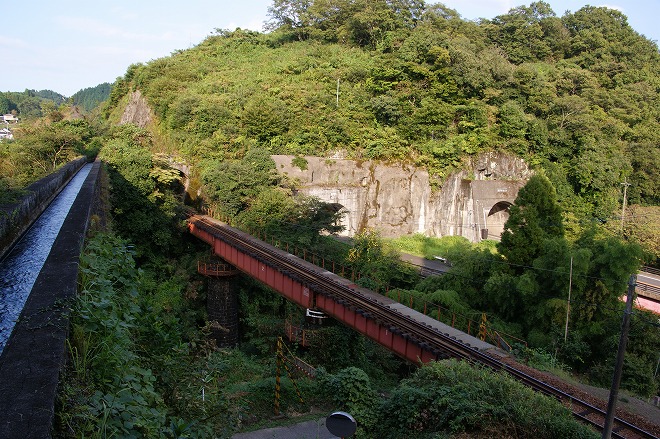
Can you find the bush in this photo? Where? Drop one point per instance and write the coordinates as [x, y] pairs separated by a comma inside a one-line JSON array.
[[448, 397]]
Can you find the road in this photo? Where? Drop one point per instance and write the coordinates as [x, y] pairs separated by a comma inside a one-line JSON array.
[[304, 430]]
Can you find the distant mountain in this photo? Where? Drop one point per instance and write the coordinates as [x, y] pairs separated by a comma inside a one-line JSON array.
[[89, 98], [50, 95], [28, 103]]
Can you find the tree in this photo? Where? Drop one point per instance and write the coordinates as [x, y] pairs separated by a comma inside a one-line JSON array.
[[379, 265], [234, 184], [143, 199], [642, 225], [5, 104], [534, 217], [47, 146], [297, 220], [291, 15], [438, 400], [520, 33]]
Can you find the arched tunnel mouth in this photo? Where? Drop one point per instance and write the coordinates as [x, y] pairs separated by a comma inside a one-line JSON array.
[[499, 207], [497, 217]]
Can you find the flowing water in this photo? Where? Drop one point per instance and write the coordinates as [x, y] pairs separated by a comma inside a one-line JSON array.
[[21, 266]]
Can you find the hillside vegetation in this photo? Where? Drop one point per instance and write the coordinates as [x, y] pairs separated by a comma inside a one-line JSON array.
[[576, 96], [402, 80]]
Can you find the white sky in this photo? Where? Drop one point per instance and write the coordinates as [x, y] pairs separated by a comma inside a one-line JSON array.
[[68, 45]]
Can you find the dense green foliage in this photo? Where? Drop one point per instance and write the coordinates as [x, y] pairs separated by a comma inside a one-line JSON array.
[[140, 368], [91, 97], [446, 398], [576, 96], [39, 149], [28, 104], [144, 191], [405, 80], [524, 289], [142, 365]]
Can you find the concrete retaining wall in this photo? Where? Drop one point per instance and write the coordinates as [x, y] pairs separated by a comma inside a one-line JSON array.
[[396, 198], [15, 219]]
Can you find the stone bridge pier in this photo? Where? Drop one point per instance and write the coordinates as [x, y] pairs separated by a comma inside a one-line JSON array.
[[221, 301]]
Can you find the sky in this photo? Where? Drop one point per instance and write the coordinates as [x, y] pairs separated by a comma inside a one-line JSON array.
[[68, 45]]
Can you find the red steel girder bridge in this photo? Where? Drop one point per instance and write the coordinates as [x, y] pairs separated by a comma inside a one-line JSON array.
[[402, 330]]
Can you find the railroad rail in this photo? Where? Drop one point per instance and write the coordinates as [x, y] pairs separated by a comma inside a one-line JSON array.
[[376, 307]]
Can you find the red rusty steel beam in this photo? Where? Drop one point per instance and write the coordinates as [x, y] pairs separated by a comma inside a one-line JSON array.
[[301, 294], [289, 288]]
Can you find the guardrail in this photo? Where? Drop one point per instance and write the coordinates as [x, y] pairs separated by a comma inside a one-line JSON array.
[[651, 270], [648, 291]]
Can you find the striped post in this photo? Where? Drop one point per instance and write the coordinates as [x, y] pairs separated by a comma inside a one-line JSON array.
[[482, 327]]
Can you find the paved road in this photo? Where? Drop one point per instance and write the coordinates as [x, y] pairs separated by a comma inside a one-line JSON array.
[[304, 430]]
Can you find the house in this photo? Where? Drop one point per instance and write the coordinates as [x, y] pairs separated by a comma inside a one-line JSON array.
[[5, 133], [9, 118]]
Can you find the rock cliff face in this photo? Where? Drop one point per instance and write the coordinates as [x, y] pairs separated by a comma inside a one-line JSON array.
[[397, 199], [137, 111]]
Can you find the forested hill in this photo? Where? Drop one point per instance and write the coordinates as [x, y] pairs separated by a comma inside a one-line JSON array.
[[29, 103], [33, 104], [577, 95], [90, 98]]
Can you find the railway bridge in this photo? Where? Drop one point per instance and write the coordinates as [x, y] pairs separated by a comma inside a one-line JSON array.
[[402, 330]]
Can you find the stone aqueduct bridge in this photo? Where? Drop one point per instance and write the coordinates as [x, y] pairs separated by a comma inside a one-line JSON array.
[[398, 200]]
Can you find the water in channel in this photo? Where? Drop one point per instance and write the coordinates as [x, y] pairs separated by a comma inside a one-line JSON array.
[[21, 266]]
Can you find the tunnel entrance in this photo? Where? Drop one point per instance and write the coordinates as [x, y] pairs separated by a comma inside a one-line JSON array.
[[497, 216]]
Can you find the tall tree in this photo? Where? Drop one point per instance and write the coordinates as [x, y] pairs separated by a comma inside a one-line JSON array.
[[520, 34], [291, 15], [534, 217]]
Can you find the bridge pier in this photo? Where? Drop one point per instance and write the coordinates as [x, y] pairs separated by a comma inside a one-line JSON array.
[[221, 301]]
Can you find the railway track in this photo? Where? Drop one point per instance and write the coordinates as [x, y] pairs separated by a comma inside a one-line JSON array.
[[648, 291], [429, 338]]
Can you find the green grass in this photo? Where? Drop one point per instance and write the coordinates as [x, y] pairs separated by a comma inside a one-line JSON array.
[[428, 247]]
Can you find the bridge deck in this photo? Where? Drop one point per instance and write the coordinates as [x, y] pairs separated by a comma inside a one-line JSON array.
[[467, 339], [395, 326]]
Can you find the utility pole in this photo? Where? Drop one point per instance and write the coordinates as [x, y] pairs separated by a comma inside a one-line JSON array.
[[625, 196], [568, 304], [618, 367], [337, 92]]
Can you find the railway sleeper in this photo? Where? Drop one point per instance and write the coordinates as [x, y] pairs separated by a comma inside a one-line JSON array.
[[585, 412]]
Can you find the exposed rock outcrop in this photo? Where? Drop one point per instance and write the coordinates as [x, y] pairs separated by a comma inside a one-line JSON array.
[[137, 111], [398, 200]]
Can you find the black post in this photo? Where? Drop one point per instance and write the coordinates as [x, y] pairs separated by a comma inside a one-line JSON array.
[[618, 367]]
